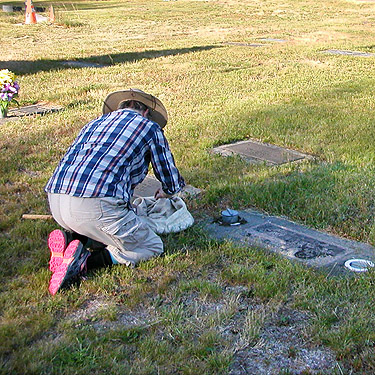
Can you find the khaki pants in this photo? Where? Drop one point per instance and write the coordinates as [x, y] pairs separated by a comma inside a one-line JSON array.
[[107, 220]]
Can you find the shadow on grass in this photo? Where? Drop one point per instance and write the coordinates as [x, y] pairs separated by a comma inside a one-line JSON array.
[[335, 192], [325, 196], [334, 195], [24, 67]]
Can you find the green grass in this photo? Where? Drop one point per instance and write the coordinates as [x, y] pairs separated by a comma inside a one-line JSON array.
[[169, 315]]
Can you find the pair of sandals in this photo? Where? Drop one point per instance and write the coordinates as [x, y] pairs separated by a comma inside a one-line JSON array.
[[68, 259]]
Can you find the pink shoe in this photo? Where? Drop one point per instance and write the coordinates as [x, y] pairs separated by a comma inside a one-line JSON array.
[[72, 264], [57, 243]]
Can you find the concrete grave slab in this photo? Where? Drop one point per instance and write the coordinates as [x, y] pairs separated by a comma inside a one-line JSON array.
[[82, 64], [348, 53], [275, 40], [244, 44], [293, 241], [150, 184], [29, 110], [257, 152], [35, 109]]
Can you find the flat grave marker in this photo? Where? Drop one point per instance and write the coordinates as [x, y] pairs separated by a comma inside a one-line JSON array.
[[30, 110], [82, 64], [150, 184], [275, 40], [293, 241], [256, 152], [244, 44], [348, 53]]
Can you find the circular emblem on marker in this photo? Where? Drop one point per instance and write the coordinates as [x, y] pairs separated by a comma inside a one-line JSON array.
[[359, 265]]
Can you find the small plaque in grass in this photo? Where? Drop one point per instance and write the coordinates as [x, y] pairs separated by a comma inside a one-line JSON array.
[[82, 64], [150, 184], [256, 152], [348, 53], [29, 110], [244, 44], [34, 109], [275, 40]]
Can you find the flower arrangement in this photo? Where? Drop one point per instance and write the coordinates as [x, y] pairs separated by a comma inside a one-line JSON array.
[[9, 88]]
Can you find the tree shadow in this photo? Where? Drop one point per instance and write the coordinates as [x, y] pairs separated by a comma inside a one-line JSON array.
[[370, 47], [334, 191], [24, 67]]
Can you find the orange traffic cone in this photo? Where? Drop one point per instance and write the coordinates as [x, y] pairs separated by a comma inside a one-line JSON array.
[[30, 16], [51, 17]]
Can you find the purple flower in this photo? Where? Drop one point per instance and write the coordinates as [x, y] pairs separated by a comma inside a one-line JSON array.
[[9, 91]]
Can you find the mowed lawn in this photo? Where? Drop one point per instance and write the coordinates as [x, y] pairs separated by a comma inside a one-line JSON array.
[[227, 70]]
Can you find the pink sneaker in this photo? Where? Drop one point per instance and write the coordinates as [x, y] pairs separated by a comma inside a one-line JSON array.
[[72, 264], [57, 243]]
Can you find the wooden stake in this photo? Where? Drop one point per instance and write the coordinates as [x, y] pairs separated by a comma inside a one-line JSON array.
[[36, 217]]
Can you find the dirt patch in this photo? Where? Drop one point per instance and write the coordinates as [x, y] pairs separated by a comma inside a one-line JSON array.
[[89, 310], [94, 312], [274, 341], [316, 63], [283, 346]]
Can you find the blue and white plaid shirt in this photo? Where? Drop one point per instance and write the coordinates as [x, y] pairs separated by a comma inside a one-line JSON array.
[[111, 156]]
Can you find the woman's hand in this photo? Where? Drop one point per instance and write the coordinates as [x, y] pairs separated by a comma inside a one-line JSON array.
[[160, 194]]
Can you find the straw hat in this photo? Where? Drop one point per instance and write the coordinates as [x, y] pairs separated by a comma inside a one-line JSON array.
[[158, 113]]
